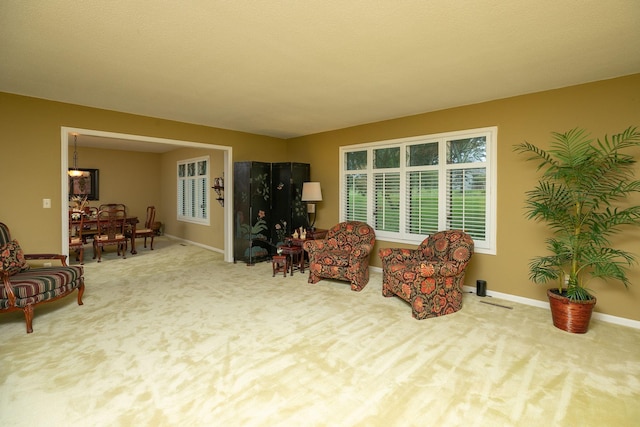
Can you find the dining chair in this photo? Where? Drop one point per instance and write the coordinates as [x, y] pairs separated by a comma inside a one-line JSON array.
[[90, 228], [113, 207], [111, 232], [148, 230], [76, 239]]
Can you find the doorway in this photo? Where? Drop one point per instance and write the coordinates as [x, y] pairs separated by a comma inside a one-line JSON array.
[[66, 136]]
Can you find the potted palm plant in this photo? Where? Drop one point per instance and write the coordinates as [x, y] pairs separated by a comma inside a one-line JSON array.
[[582, 195]]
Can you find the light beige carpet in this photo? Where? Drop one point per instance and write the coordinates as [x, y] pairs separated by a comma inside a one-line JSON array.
[[178, 337]]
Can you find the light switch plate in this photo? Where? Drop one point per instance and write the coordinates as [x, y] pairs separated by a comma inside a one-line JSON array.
[[46, 203]]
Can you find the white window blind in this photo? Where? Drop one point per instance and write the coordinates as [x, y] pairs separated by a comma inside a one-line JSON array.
[[356, 195], [412, 187], [355, 191], [193, 190], [387, 201], [466, 201], [422, 202]]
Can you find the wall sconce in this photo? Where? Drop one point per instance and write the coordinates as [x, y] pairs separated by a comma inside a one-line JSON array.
[[218, 186], [311, 192]]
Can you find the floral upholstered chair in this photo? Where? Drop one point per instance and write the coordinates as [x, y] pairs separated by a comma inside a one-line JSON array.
[[23, 287], [429, 278], [343, 254]]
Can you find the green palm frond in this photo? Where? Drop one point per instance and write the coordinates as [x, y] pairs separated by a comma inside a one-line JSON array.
[[581, 196]]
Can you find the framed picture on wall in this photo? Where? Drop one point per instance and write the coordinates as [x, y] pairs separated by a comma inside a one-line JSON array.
[[85, 185]]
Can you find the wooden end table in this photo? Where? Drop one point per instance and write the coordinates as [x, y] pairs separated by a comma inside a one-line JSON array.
[[280, 263], [293, 242], [316, 234], [296, 255]]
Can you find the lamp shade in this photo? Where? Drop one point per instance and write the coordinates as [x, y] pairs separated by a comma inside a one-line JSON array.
[[311, 192]]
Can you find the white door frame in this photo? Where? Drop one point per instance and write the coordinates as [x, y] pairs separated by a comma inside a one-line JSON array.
[[65, 133]]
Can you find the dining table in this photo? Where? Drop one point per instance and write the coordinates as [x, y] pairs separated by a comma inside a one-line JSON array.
[[91, 222]]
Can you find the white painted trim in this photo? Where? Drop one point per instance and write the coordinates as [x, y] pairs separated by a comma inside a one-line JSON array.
[[200, 245], [489, 246], [542, 304], [65, 131]]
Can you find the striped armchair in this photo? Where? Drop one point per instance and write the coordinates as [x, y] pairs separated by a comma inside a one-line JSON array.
[[343, 254], [25, 287], [430, 278]]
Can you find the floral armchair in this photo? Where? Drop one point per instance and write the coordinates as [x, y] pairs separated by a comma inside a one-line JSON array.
[[23, 287], [343, 254], [429, 278]]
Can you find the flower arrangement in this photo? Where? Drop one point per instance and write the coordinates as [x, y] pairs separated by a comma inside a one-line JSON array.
[[281, 231], [79, 206], [79, 203]]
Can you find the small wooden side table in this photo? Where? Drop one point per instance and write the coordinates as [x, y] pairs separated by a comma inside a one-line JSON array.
[[280, 263], [296, 255], [316, 234]]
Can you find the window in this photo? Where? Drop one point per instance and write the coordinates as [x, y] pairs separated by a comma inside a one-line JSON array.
[[410, 188], [193, 190]]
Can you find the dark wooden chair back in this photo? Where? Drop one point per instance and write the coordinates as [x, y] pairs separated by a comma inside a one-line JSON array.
[[111, 232], [148, 230], [112, 207], [76, 237]]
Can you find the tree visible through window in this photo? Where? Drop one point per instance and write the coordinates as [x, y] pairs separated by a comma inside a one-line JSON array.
[[409, 188]]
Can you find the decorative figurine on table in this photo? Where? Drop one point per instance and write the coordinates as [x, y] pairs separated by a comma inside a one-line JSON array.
[[295, 234]]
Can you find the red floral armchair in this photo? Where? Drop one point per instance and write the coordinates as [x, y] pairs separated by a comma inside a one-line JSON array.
[[343, 254], [429, 278]]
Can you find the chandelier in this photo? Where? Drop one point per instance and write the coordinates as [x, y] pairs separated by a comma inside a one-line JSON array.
[[75, 172]]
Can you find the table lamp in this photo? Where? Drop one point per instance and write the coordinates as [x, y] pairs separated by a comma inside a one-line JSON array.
[[311, 192]]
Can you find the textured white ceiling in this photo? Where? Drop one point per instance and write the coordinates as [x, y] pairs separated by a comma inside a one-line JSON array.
[[292, 67]]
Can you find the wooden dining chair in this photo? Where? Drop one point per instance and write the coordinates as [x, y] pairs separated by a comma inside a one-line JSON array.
[[90, 229], [76, 239], [113, 207], [111, 232], [148, 230]]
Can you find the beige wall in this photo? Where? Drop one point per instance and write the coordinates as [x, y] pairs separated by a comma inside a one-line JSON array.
[[604, 107], [212, 235], [149, 179], [31, 167], [30, 150], [127, 177]]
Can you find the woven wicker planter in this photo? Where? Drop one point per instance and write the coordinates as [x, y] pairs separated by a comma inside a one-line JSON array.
[[570, 316]]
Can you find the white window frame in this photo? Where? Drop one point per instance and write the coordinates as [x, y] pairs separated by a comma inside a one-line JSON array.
[[486, 245], [193, 198]]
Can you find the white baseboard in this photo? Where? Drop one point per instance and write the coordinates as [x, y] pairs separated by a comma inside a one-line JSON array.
[[544, 304], [211, 248]]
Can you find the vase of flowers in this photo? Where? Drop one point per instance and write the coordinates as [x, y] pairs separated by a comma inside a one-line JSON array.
[[79, 207]]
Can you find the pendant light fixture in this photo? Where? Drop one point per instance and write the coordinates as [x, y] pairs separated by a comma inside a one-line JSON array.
[[75, 173]]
